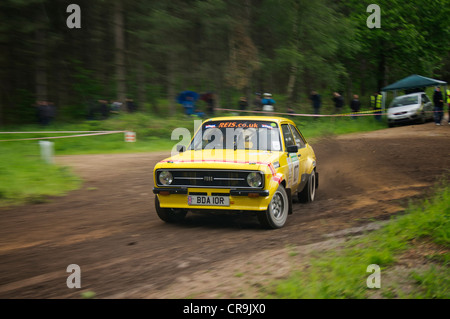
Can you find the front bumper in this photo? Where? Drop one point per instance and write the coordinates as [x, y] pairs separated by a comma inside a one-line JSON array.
[[246, 199], [403, 118]]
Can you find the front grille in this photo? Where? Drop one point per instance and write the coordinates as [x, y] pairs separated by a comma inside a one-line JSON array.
[[209, 178]]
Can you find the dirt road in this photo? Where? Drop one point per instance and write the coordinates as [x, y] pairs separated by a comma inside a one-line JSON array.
[[110, 228]]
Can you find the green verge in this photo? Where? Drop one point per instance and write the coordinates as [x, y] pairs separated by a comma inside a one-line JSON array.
[[342, 272], [23, 177]]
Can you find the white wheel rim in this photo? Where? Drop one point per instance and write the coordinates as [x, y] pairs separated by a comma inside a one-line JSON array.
[[278, 208]]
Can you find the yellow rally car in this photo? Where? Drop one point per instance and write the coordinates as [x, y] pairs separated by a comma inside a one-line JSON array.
[[246, 164]]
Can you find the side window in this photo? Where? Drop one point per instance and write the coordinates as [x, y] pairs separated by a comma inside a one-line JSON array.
[[425, 98], [298, 137], [287, 135]]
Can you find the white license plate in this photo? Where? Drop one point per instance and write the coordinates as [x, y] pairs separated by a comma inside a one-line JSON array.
[[201, 200]]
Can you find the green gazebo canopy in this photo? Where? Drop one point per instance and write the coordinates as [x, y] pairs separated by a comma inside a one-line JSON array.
[[413, 81]]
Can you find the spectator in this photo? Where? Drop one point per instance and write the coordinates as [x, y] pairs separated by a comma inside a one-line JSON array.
[[91, 109], [338, 102], [268, 103], [355, 105], [290, 110], [51, 112], [316, 101], [104, 109], [210, 103], [438, 101], [115, 107], [375, 104], [189, 105], [243, 104], [131, 106], [447, 93], [41, 112], [257, 102]]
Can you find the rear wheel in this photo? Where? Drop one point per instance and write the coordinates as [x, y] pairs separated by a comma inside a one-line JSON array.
[[422, 118], [308, 194], [169, 215], [276, 214]]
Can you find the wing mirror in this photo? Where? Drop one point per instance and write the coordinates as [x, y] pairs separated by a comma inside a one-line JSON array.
[[292, 149]]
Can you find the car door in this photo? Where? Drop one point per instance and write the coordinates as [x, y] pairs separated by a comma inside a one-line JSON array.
[[291, 159], [301, 154]]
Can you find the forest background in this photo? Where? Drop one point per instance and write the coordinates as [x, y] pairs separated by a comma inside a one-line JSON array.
[[152, 50]]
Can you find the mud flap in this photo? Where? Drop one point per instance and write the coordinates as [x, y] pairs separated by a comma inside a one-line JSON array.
[[317, 180], [288, 191]]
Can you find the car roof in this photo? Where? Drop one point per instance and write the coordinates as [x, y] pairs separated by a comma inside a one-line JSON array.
[[251, 118], [412, 94]]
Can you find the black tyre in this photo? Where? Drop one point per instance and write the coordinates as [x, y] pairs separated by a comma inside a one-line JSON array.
[[422, 118], [308, 193], [276, 214], [169, 215]]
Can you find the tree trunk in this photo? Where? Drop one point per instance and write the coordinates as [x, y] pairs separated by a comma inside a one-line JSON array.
[[294, 66], [381, 67], [350, 92], [140, 77], [171, 78], [119, 51], [291, 82], [41, 67], [363, 68]]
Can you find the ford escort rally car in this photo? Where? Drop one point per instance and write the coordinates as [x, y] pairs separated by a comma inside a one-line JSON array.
[[245, 164]]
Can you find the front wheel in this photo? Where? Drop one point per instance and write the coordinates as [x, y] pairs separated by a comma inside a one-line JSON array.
[[276, 214], [169, 215]]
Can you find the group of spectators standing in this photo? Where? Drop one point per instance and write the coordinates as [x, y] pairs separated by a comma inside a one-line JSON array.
[[264, 103], [355, 103], [105, 108]]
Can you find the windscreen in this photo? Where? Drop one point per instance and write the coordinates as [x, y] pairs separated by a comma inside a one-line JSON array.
[[404, 100], [238, 135]]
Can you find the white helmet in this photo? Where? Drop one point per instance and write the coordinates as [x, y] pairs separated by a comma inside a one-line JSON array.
[[267, 94]]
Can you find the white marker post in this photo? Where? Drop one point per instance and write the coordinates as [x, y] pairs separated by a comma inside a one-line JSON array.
[[47, 151]]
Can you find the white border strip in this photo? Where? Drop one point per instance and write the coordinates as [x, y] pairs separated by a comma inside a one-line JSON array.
[[63, 132], [56, 137]]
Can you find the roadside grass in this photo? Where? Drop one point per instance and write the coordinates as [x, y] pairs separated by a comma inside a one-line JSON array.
[[315, 128], [342, 273], [23, 176], [152, 134]]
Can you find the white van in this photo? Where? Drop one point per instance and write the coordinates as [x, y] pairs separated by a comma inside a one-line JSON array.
[[414, 107]]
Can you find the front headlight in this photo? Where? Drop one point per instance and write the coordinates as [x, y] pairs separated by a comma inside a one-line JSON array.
[[254, 179], [165, 178]]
